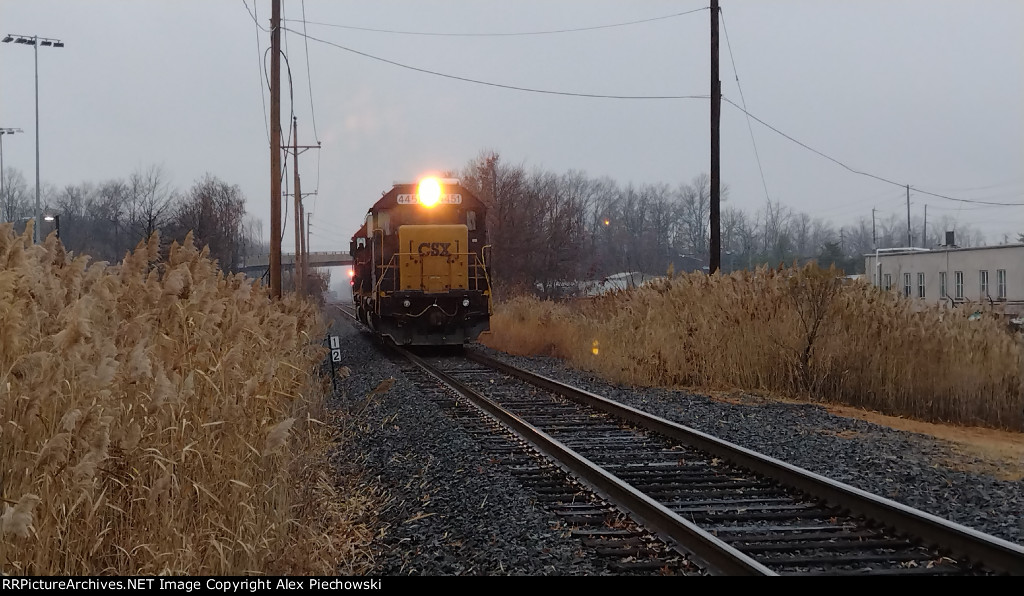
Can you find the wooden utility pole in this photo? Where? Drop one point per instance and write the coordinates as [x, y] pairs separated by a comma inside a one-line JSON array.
[[305, 246], [910, 242], [716, 113], [874, 236], [297, 265], [275, 149], [924, 236]]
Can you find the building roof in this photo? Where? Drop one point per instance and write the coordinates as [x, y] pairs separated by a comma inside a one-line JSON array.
[[915, 251]]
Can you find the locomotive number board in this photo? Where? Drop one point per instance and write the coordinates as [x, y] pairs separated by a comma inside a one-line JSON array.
[[449, 199]]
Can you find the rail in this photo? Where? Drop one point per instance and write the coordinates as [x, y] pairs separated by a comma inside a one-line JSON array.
[[962, 542]]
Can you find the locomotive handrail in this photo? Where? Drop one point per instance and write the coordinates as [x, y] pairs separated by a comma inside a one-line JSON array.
[[477, 263]]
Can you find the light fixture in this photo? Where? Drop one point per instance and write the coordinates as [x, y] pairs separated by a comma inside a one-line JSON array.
[[406, 303], [35, 42], [465, 302], [429, 192], [8, 39]]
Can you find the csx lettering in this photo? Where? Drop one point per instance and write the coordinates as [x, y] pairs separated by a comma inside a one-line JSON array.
[[434, 249]]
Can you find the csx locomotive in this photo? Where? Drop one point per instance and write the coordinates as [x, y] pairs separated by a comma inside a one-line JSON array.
[[419, 273]]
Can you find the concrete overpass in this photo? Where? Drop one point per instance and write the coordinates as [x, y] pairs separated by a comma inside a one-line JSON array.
[[259, 263]]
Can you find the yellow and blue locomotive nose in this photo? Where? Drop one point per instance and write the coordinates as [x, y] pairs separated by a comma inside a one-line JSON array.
[[433, 258]]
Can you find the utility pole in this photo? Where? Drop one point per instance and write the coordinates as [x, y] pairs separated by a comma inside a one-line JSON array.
[[874, 236], [924, 237], [909, 241], [297, 266], [300, 267], [716, 113], [275, 149], [305, 245]]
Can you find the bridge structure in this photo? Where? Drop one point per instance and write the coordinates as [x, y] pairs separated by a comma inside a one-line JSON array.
[[259, 263]]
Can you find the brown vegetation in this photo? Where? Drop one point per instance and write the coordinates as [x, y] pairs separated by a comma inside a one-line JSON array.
[[161, 417], [797, 332]]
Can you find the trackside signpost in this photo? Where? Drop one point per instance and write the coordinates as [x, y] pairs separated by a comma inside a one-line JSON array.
[[335, 343]]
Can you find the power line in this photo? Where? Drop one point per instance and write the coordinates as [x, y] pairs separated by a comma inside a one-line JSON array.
[[490, 84], [309, 78], [511, 34], [254, 19], [643, 97], [750, 128], [262, 66], [868, 174], [312, 109]]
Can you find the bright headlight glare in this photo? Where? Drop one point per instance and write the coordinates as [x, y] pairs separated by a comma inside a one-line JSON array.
[[429, 192]]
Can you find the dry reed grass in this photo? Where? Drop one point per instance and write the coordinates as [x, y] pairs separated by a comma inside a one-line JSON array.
[[796, 332], [161, 418]]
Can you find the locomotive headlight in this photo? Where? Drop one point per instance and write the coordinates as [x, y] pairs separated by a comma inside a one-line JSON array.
[[465, 302], [429, 192], [406, 303]]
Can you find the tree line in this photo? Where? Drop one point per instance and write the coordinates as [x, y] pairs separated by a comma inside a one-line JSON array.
[[547, 228], [107, 219]]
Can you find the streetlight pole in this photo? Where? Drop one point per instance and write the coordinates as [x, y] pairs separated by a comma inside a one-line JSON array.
[[35, 41], [4, 131]]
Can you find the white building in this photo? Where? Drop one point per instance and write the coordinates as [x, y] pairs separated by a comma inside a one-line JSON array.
[[993, 275]]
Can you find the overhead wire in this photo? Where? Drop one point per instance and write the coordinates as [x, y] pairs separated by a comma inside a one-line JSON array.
[[285, 143], [261, 65], [859, 172], [750, 127], [743, 108], [492, 84], [501, 34], [312, 109], [253, 16]]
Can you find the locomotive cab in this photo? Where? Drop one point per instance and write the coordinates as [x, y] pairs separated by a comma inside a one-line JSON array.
[[419, 272]]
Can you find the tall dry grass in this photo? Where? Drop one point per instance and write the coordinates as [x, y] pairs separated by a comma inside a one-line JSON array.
[[798, 332], [160, 417]]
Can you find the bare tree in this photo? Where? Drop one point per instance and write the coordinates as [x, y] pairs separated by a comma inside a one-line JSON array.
[[15, 202], [214, 212], [150, 202]]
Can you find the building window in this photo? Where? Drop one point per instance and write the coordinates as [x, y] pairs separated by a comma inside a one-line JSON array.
[[1001, 283], [942, 284], [920, 285], [906, 284], [888, 281], [958, 279], [983, 278]]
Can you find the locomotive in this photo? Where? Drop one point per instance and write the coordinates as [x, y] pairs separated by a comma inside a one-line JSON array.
[[419, 273]]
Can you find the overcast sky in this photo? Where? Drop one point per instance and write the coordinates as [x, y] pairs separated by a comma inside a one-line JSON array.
[[925, 92]]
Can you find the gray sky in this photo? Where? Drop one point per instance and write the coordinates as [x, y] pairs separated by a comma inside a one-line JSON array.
[[925, 92]]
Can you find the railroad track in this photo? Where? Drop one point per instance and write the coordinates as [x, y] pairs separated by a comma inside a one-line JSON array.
[[727, 509]]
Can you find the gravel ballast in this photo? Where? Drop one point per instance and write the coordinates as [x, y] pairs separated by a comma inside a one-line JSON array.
[[449, 509], [909, 468]]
